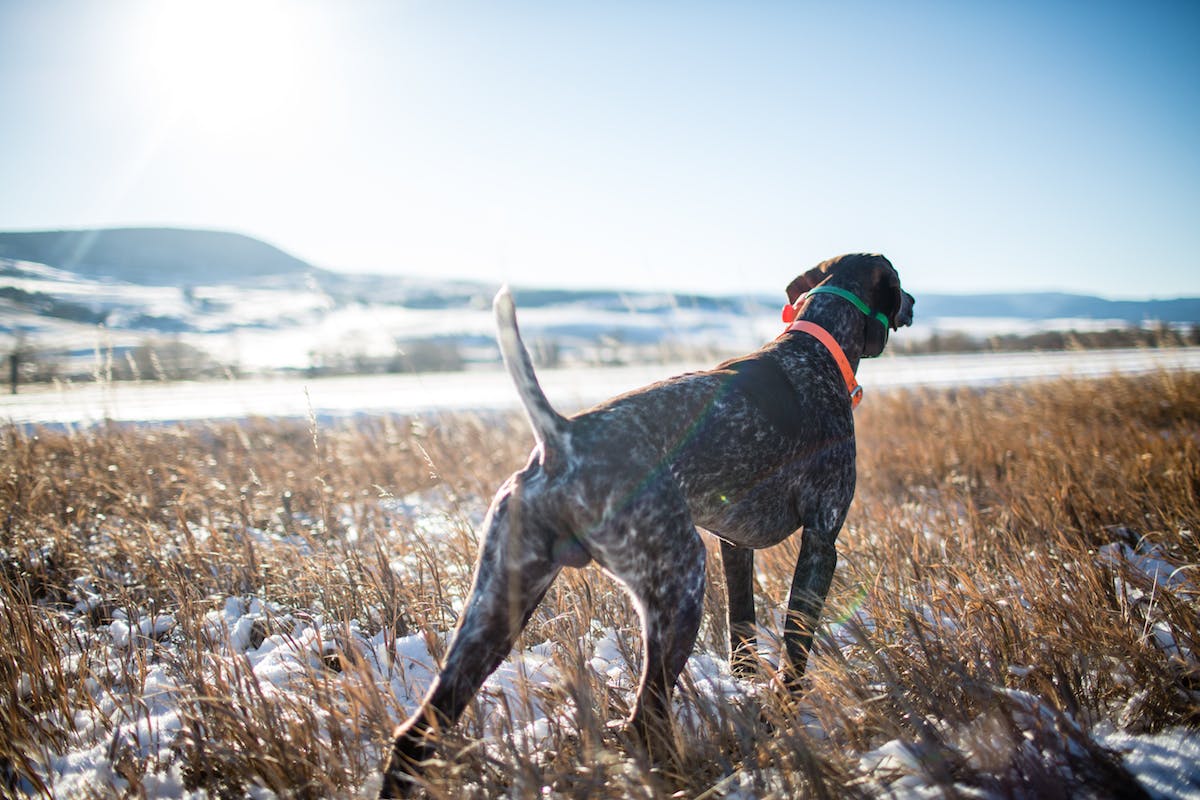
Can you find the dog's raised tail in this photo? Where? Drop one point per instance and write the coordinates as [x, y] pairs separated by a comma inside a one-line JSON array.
[[549, 427]]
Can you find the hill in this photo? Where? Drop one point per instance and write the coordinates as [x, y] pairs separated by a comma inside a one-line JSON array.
[[190, 258], [153, 256]]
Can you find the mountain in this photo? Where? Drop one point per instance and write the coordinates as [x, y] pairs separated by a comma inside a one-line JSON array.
[[154, 256], [186, 258], [1057, 305]]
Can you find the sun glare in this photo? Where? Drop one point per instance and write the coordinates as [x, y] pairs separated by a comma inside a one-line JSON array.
[[224, 64]]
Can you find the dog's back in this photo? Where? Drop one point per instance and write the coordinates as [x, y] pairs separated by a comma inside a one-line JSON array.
[[737, 440]]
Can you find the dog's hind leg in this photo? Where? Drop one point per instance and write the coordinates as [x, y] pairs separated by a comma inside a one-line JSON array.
[[514, 571], [660, 559], [739, 584]]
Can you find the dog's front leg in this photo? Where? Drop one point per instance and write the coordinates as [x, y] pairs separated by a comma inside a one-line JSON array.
[[810, 585], [739, 584]]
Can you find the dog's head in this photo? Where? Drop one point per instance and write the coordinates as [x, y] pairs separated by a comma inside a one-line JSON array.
[[872, 279]]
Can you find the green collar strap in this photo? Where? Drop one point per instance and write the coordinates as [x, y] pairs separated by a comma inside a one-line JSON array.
[[853, 298]]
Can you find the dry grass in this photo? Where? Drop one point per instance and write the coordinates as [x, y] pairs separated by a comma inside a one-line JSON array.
[[973, 618]]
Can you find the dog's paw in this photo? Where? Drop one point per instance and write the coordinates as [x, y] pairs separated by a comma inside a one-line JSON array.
[[411, 750]]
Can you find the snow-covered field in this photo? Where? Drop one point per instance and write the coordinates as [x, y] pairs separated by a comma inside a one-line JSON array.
[[147, 401], [278, 650], [130, 704]]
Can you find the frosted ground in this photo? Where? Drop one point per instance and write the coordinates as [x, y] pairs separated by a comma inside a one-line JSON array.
[[284, 647]]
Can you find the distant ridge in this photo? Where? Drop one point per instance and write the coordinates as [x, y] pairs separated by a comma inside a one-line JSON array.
[[191, 258], [153, 256], [1057, 305]]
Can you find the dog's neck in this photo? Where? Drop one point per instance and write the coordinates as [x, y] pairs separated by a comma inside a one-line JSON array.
[[844, 322]]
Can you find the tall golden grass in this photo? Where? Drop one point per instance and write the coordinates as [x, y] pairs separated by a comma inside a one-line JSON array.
[[975, 617]]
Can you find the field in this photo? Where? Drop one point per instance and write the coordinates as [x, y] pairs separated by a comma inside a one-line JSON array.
[[245, 609]]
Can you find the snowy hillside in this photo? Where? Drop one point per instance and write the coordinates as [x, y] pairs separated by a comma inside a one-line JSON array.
[[84, 302], [259, 326]]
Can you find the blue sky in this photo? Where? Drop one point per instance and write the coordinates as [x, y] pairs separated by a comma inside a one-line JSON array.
[[698, 146]]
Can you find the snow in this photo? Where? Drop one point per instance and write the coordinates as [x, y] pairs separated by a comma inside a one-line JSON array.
[[1165, 763], [1141, 574], [569, 389], [283, 647], [1148, 564], [264, 328]]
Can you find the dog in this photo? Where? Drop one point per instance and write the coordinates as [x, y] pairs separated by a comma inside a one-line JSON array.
[[751, 451]]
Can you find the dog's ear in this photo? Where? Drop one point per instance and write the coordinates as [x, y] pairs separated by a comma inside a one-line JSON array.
[[810, 279], [888, 297]]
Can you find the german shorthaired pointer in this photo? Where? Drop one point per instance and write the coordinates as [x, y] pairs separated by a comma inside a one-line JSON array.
[[753, 450]]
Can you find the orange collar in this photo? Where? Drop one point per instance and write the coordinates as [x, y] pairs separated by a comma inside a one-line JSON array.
[[824, 337]]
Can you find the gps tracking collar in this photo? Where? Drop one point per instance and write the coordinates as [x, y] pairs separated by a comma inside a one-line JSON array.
[[791, 310]]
